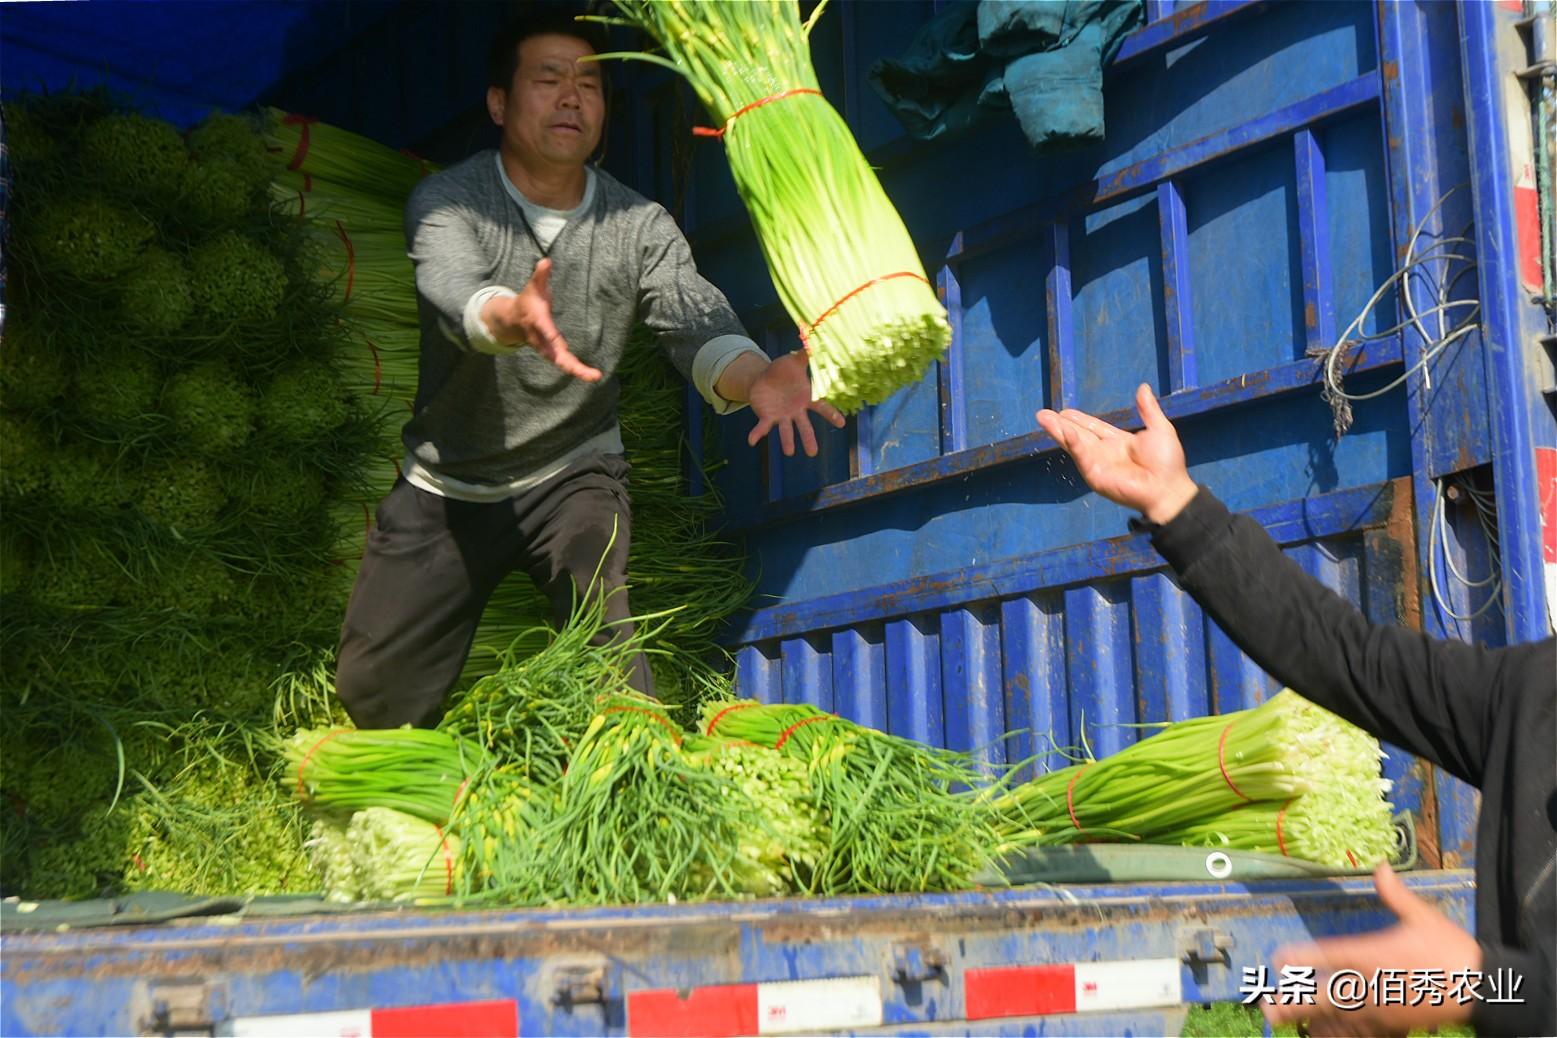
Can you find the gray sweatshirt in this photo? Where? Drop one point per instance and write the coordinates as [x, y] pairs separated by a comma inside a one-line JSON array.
[[491, 421]]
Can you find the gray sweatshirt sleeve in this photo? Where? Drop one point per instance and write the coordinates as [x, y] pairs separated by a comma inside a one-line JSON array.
[[446, 251], [691, 318]]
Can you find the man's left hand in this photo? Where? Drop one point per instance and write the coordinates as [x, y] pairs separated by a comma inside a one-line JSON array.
[[780, 397], [1424, 942]]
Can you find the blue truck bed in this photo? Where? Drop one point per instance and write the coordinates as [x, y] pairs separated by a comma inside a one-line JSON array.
[[901, 964], [939, 571]]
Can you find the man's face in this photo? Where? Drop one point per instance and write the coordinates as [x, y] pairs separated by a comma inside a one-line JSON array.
[[555, 106]]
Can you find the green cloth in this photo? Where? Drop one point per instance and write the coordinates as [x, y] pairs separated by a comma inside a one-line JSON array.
[[1041, 60], [156, 906]]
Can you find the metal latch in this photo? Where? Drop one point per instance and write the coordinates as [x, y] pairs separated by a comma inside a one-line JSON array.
[[1542, 45], [1206, 947], [917, 963], [578, 984], [179, 1009]]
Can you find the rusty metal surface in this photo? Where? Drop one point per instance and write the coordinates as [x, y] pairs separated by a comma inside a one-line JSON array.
[[570, 971], [333, 944]]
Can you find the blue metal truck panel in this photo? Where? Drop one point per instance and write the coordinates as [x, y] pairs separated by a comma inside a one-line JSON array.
[[1267, 168], [575, 971], [1520, 424]]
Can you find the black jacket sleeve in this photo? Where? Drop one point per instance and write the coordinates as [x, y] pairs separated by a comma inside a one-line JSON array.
[[1459, 706], [1533, 1013], [1427, 696]]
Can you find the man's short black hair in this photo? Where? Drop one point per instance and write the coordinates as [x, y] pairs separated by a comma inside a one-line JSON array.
[[537, 19]]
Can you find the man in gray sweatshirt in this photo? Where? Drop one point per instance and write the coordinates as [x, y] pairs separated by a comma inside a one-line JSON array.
[[532, 268]]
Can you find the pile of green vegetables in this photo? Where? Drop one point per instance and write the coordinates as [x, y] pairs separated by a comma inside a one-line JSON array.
[[173, 426], [550, 782], [1286, 777], [206, 360], [844, 265], [899, 815]]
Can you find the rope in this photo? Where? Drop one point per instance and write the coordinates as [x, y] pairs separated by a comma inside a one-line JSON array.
[[448, 861], [351, 258], [421, 164], [1070, 789], [302, 140], [720, 715], [302, 791], [805, 333], [705, 131], [378, 365], [1221, 762], [784, 736], [645, 710]]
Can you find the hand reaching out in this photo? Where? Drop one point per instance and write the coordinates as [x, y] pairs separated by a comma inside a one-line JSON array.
[[1144, 470], [526, 320], [1422, 942], [780, 398]]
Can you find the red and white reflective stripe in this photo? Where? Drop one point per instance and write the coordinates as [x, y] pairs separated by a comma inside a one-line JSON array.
[[1546, 482], [495, 1019], [352, 1023], [732, 1010], [1527, 218], [1072, 987], [1527, 201]]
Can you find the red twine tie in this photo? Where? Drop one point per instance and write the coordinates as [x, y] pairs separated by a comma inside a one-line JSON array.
[[784, 737], [720, 715], [645, 710], [421, 163], [305, 121], [1221, 762], [733, 743], [707, 131], [302, 196], [448, 862], [302, 791], [378, 367], [805, 333], [351, 258], [1070, 789], [1280, 841]]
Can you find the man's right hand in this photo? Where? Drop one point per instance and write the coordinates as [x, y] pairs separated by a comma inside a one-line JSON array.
[[1143, 470], [525, 320]]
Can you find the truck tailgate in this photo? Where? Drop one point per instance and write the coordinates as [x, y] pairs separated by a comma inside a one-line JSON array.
[[1105, 959]]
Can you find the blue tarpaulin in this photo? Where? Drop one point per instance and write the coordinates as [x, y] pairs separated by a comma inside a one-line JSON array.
[[175, 60]]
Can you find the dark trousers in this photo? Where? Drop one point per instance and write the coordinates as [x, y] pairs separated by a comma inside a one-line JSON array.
[[432, 563]]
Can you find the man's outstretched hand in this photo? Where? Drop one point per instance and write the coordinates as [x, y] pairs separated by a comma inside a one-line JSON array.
[[526, 320], [1423, 942], [780, 397], [1143, 470]]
